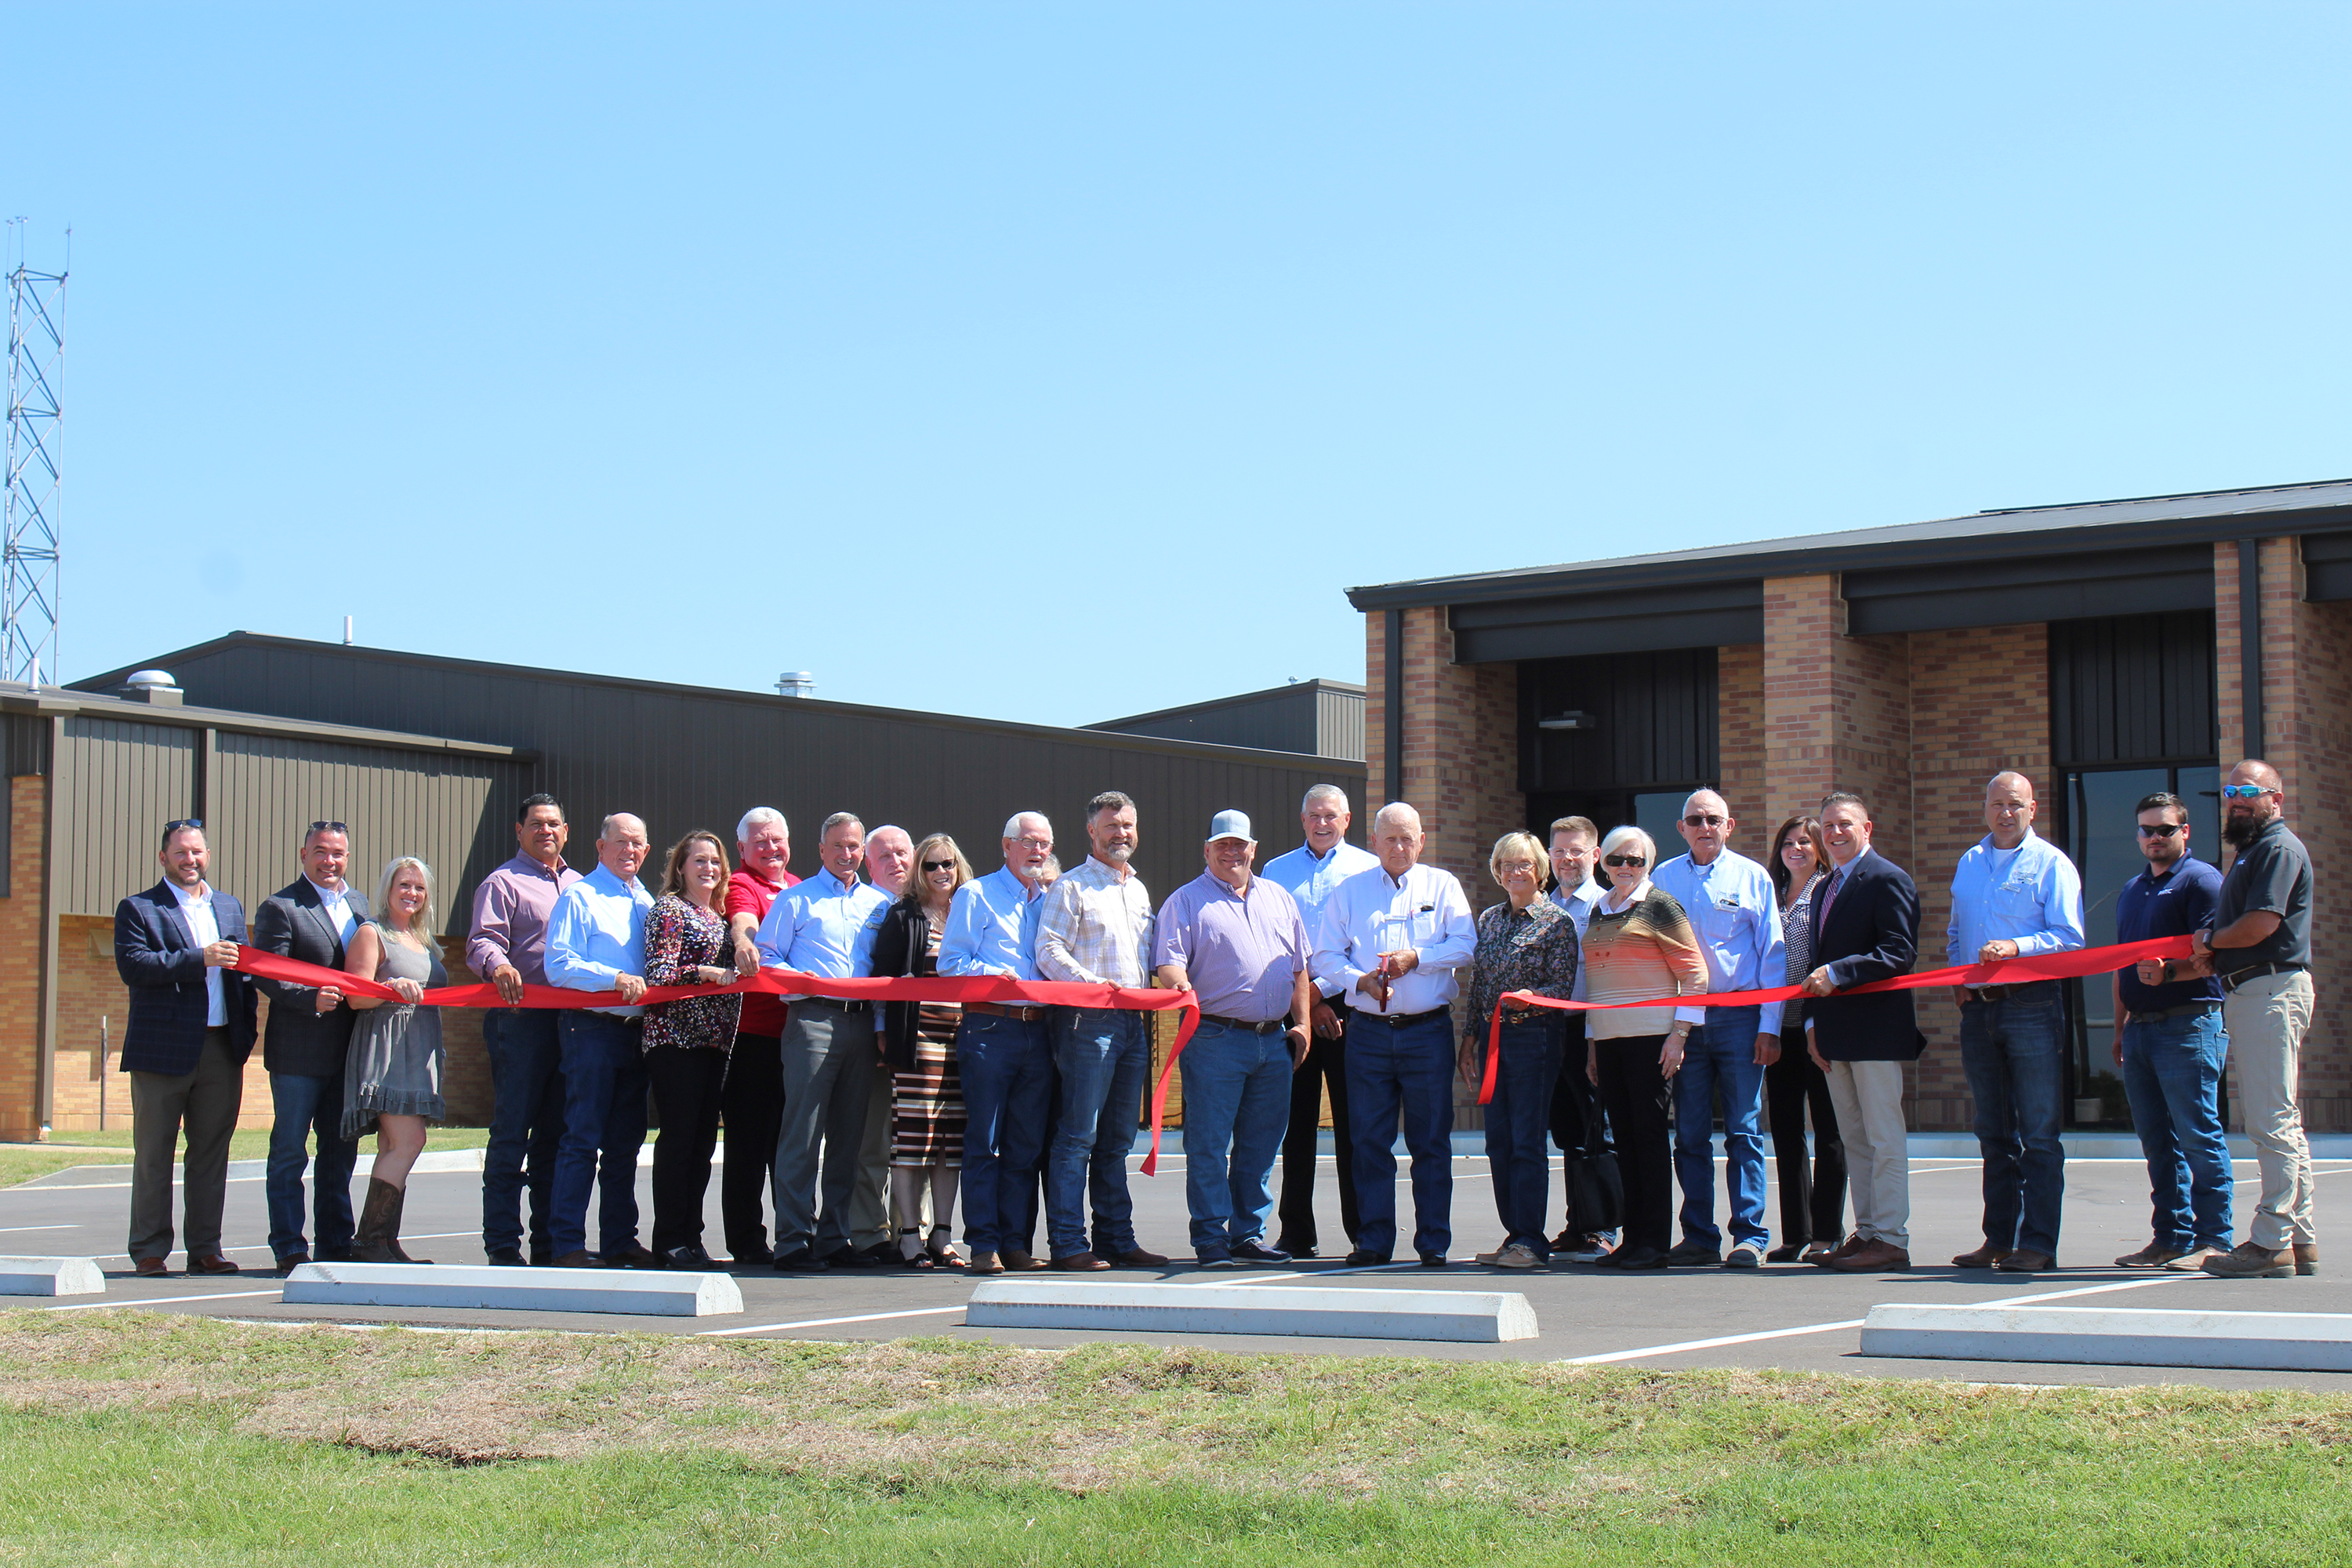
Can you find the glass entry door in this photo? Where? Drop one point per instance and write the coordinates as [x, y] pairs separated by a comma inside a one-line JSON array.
[[2101, 835]]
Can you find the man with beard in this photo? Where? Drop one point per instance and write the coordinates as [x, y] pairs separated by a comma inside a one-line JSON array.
[[2258, 943]]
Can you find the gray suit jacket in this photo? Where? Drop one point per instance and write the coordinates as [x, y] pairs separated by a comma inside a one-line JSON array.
[[299, 1038]]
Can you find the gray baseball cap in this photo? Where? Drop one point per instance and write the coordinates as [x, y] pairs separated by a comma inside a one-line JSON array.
[[1230, 824]]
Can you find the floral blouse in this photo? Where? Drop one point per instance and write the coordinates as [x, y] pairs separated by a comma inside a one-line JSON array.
[[1532, 949], [680, 939]]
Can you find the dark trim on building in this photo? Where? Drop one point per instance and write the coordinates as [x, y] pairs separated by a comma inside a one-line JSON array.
[[2011, 590], [2250, 640], [60, 702], [2120, 530], [1392, 710], [52, 896], [2327, 567], [1631, 620]]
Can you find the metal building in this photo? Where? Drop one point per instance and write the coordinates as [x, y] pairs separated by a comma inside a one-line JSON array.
[[1321, 718]]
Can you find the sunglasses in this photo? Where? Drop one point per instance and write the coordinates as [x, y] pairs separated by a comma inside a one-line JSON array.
[[2243, 792], [938, 865], [2162, 830], [1627, 861], [175, 826], [329, 827], [1697, 821]]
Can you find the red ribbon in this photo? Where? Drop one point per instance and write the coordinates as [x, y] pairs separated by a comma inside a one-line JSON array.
[[2070, 965], [959, 988]]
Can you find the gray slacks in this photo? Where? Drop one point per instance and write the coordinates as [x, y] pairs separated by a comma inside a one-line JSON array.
[[206, 1101], [829, 1061]]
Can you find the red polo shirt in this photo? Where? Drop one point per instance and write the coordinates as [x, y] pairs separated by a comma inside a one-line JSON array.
[[749, 893]]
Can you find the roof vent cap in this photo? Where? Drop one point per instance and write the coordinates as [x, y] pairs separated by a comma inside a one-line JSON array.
[[155, 685], [796, 683]]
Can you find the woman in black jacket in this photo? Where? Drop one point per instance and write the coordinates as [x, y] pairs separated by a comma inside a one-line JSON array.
[[919, 1047]]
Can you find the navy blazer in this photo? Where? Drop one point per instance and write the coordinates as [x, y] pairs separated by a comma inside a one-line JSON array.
[[159, 958], [1872, 933], [292, 923]]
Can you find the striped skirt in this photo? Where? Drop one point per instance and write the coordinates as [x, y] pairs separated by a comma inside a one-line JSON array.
[[927, 1103]]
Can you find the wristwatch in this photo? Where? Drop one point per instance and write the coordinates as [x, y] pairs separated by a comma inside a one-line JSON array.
[[2164, 967]]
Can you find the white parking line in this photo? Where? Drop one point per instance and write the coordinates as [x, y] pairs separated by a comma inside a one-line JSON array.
[[11, 1229], [158, 1300], [826, 1322]]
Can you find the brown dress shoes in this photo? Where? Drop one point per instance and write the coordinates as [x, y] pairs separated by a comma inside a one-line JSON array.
[[2252, 1262], [1080, 1263], [152, 1268], [1873, 1257], [1985, 1257], [210, 1263], [2023, 1262]]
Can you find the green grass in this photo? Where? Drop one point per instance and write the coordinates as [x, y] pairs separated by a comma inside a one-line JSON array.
[[23, 1162], [250, 1445]]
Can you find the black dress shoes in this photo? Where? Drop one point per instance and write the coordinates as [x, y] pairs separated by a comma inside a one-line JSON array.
[[504, 1258], [336, 1255], [799, 1260], [1788, 1254], [758, 1256], [1283, 1243], [1632, 1258], [846, 1258], [690, 1257], [1433, 1260], [634, 1256], [1359, 1258]]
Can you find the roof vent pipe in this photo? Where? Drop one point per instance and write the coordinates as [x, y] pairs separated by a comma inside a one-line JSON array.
[[796, 683], [152, 686]]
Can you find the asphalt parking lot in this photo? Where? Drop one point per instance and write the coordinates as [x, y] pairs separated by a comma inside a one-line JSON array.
[[1787, 1316]]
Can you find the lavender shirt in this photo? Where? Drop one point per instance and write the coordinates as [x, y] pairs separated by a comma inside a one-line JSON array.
[[510, 910], [1243, 953]]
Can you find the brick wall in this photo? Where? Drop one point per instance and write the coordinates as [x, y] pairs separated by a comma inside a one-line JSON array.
[[20, 961], [1836, 710], [1979, 705], [1740, 743]]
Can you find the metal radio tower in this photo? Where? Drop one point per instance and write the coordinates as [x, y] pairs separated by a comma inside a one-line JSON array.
[[28, 564]]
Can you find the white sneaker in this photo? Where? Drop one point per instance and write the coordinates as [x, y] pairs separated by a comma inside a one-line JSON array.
[[1747, 1254], [1593, 1253], [1518, 1255]]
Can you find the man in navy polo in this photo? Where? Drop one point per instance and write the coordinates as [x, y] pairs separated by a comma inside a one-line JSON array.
[[2170, 1044]]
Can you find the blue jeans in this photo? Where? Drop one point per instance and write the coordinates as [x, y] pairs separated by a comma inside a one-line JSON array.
[[526, 1051], [604, 1128], [1006, 1068], [1236, 1096], [1518, 1151], [2172, 1076], [1404, 1070], [1103, 1054], [1720, 1054], [300, 1104], [2014, 1053]]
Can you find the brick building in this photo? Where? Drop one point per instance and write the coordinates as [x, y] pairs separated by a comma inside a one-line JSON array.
[[2100, 649]]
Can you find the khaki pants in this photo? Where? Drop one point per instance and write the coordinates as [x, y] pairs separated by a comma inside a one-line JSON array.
[[1868, 1096], [206, 1101], [2267, 1019]]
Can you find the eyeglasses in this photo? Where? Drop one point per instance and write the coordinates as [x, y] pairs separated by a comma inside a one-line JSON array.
[[2243, 792], [2162, 830], [1697, 821], [1029, 842], [329, 827], [1627, 861], [938, 865], [175, 826]]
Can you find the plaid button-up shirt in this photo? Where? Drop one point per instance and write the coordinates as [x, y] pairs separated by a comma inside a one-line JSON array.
[[1095, 928]]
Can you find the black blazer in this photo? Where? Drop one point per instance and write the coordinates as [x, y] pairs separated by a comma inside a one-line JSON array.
[[158, 958], [899, 952], [1872, 933], [301, 1039]]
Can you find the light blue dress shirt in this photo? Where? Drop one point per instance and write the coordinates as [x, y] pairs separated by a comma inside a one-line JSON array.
[[1579, 906], [824, 927], [992, 927], [1309, 881], [1737, 917], [596, 932], [2030, 895]]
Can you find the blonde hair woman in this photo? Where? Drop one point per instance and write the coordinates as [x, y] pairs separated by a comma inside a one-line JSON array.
[[1527, 942], [1639, 944], [391, 1075]]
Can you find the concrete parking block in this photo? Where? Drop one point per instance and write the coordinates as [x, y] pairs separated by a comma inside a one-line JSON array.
[[2113, 1336], [51, 1277], [609, 1290], [1483, 1317]]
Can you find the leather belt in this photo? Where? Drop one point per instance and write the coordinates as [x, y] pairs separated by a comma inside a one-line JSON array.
[[1272, 1025], [1028, 1014], [2000, 993], [1397, 1020], [2186, 1010], [838, 1004], [2230, 981]]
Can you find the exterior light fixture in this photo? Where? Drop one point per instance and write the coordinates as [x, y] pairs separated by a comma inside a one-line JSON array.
[[1573, 719]]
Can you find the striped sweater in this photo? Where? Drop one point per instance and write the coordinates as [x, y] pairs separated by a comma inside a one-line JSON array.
[[1646, 949]]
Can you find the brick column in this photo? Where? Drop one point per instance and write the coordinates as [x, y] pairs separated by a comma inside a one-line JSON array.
[[1740, 743], [20, 960], [1837, 711]]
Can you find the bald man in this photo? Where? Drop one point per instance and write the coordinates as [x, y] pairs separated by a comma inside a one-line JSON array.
[[2014, 895]]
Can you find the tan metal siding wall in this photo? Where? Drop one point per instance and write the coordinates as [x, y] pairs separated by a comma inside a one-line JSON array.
[[117, 783], [266, 790], [1340, 724]]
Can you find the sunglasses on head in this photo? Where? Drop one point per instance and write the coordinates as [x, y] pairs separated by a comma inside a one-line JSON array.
[[1628, 860], [178, 823], [2243, 792], [938, 865], [329, 827], [2162, 830]]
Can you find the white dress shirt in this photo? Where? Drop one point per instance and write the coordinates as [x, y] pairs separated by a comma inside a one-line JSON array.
[[198, 909], [1309, 877], [337, 903], [1372, 912]]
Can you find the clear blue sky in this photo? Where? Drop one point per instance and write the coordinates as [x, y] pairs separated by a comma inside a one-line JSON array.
[[1056, 363]]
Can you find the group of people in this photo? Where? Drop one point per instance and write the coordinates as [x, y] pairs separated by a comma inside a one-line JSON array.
[[1331, 971]]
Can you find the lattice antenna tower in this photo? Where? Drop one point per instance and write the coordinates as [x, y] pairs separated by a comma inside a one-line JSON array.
[[35, 470]]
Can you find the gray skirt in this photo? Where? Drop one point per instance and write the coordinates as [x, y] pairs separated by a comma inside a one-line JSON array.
[[393, 1067]]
